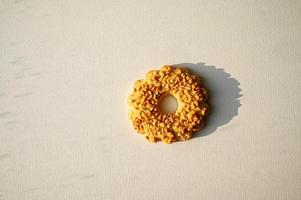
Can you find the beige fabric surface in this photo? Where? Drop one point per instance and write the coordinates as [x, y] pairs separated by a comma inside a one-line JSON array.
[[67, 68]]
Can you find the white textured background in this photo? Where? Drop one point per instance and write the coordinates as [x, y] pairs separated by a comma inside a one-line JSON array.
[[67, 67]]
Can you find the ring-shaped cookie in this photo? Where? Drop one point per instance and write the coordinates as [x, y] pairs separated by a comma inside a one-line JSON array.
[[189, 117]]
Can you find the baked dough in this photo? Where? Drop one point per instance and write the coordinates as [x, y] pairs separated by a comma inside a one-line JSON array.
[[156, 126]]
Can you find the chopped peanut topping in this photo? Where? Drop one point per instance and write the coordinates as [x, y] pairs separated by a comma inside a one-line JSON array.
[[170, 127]]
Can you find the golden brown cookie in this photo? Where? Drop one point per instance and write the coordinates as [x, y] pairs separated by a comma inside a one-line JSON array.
[[149, 121]]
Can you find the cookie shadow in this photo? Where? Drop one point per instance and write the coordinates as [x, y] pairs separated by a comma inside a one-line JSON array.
[[224, 95]]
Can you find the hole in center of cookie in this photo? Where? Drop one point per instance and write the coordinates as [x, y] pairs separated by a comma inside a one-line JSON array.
[[168, 104]]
